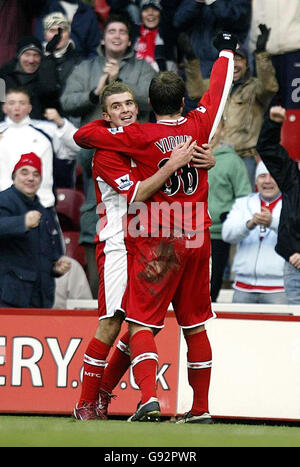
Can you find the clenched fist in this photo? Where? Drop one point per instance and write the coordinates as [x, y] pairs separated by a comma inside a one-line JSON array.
[[277, 114], [32, 219], [62, 265]]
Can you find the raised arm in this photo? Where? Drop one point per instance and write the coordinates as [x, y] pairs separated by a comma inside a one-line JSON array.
[[273, 154], [214, 99]]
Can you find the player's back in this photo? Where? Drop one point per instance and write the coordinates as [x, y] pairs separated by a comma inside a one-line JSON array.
[[181, 203]]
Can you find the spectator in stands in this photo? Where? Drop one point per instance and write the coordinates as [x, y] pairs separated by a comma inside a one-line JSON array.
[[150, 43], [248, 100], [286, 172], [37, 73], [59, 45], [85, 31], [48, 139], [84, 85], [203, 19], [283, 19], [228, 180], [253, 224], [128, 8], [16, 18], [284, 46], [71, 286], [102, 10], [29, 257]]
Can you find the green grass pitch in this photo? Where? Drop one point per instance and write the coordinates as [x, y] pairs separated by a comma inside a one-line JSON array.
[[51, 431]]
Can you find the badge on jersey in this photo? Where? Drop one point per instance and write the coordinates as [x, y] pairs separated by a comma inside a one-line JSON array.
[[124, 182], [114, 131], [201, 109]]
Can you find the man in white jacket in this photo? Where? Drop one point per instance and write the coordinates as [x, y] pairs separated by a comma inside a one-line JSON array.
[[20, 134], [252, 224]]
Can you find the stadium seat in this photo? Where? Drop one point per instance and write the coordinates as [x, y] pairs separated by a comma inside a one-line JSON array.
[[69, 202], [73, 249]]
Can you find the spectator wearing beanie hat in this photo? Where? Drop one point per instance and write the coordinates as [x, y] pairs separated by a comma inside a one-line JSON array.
[[29, 43], [286, 171], [37, 73], [29, 159], [150, 43], [252, 224], [29, 259]]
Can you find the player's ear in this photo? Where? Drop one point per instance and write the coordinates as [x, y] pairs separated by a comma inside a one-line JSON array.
[[106, 117], [149, 102], [182, 104]]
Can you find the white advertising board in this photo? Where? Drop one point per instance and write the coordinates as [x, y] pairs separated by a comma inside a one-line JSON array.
[[256, 369]]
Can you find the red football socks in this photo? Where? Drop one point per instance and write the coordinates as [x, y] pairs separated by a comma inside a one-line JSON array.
[[144, 362], [117, 365], [93, 368], [199, 358]]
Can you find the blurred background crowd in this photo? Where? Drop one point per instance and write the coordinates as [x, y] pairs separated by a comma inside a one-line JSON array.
[[56, 57]]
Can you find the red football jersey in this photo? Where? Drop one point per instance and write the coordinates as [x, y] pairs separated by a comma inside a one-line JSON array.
[[115, 186], [181, 204]]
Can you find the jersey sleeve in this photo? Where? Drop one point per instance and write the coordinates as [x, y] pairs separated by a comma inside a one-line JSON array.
[[116, 171], [135, 137], [211, 105], [132, 138]]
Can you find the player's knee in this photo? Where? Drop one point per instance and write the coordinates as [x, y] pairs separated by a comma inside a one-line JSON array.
[[108, 330]]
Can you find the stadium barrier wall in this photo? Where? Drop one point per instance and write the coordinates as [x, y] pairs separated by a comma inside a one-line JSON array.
[[255, 374]]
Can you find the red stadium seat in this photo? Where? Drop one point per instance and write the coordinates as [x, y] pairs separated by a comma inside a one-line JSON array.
[[73, 249], [69, 202]]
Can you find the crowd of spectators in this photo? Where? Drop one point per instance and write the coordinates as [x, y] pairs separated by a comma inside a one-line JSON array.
[[57, 56]]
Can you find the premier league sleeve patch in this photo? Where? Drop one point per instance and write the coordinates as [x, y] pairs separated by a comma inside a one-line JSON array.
[[201, 109], [124, 182]]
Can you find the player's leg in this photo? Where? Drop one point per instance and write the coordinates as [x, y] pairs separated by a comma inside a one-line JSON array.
[[118, 364], [94, 363], [112, 266], [144, 360], [156, 271], [199, 362], [192, 306], [119, 361]]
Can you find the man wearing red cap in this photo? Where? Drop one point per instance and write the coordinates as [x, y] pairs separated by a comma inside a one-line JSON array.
[[30, 258]]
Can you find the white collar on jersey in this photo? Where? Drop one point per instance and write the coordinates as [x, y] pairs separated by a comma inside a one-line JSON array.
[[178, 121]]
